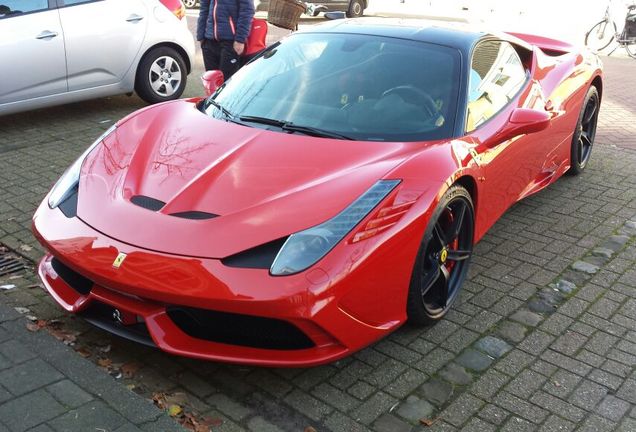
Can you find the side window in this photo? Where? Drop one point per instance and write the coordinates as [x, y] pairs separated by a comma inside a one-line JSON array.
[[16, 7], [496, 76]]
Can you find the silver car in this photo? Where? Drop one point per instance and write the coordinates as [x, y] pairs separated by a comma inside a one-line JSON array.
[[69, 50]]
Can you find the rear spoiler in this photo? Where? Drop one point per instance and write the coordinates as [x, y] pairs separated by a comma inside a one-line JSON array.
[[547, 45]]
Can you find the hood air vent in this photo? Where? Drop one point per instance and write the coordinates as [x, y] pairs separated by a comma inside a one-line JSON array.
[[156, 205], [196, 215], [147, 202]]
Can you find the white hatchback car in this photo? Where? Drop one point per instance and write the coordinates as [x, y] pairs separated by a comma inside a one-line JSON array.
[[69, 50]]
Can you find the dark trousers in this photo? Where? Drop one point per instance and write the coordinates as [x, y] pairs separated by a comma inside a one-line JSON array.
[[220, 55]]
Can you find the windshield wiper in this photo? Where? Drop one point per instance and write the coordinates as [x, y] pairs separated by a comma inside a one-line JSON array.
[[221, 108], [313, 131], [291, 127], [263, 120]]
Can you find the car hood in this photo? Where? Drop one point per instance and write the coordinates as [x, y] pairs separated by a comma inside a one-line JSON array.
[[261, 185]]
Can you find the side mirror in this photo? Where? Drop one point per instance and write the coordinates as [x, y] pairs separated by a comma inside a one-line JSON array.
[[212, 80], [523, 121]]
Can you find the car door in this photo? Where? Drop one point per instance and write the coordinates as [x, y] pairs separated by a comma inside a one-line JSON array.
[[32, 47], [103, 38], [498, 83]]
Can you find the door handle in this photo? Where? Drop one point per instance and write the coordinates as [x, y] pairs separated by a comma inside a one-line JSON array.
[[46, 35], [134, 18]]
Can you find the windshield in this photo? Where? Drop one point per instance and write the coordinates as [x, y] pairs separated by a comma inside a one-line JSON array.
[[353, 86]]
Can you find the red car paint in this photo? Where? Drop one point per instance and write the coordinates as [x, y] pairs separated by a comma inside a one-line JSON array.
[[267, 186], [176, 7]]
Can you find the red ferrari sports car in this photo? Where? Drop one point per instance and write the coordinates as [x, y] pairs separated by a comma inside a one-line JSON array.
[[326, 194]]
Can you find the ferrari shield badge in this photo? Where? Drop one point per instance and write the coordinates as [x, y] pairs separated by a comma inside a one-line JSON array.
[[119, 260]]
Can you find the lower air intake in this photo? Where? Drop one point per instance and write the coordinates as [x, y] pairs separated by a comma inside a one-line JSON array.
[[236, 329], [73, 279]]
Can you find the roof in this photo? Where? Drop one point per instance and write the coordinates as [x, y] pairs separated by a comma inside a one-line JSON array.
[[461, 36]]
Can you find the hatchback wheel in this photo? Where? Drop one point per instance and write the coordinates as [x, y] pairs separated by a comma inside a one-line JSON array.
[[356, 9], [161, 75], [442, 261]]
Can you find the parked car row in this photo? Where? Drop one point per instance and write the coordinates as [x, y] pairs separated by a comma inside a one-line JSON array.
[[70, 50], [353, 8]]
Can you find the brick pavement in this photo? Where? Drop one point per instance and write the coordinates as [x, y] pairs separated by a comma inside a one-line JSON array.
[[543, 336], [46, 386]]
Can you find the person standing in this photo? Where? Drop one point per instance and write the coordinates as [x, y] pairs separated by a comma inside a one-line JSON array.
[[222, 28]]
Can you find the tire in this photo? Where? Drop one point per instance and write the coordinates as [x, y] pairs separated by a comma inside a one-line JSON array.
[[190, 3], [585, 132], [161, 63], [356, 9], [443, 258], [600, 36]]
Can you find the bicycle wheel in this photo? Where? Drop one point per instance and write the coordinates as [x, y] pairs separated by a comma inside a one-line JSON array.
[[600, 36], [631, 49]]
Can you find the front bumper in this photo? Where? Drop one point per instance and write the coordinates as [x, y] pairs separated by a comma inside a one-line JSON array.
[[137, 300]]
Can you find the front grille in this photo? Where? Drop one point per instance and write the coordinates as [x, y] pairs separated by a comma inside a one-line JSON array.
[[147, 202], [73, 279], [103, 316], [238, 329]]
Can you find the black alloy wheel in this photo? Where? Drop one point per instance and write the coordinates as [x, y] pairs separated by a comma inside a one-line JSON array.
[[585, 132], [442, 261]]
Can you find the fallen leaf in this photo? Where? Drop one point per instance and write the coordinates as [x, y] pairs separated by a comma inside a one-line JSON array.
[[428, 422], [104, 362], [54, 323], [26, 248], [22, 310], [557, 384], [130, 369], [175, 410], [83, 351], [32, 327], [159, 398], [7, 287], [64, 336], [178, 398], [310, 429], [105, 349], [32, 318]]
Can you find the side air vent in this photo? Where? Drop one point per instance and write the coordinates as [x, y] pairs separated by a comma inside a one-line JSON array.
[[147, 202], [196, 215], [73, 279]]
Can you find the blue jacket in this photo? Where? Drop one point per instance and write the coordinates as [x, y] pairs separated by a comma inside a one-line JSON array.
[[225, 20]]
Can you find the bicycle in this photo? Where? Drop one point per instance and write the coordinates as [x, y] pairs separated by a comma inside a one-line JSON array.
[[600, 36]]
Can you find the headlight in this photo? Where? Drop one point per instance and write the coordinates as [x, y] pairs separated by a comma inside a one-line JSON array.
[[304, 249], [70, 178]]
